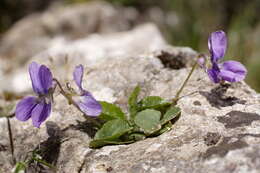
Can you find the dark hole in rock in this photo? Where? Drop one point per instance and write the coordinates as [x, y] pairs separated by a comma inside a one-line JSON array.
[[211, 138], [217, 98], [235, 119], [172, 61], [197, 103], [109, 169], [3, 147]]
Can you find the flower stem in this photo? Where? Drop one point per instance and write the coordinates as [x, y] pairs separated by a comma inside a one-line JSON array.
[[10, 138], [71, 101], [177, 96]]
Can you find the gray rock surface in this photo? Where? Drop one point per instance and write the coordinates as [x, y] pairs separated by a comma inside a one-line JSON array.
[[90, 50], [33, 34], [218, 130]]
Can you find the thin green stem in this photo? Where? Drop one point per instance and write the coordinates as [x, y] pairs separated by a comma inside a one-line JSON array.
[[10, 139], [44, 163], [188, 94], [177, 96], [71, 101]]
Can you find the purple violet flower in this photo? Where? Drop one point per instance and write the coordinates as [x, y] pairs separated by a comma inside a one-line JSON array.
[[231, 71], [37, 108], [86, 102]]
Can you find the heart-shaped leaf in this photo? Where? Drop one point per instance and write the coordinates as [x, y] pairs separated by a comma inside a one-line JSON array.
[[148, 120], [113, 129], [153, 102], [171, 113], [111, 111], [132, 102]]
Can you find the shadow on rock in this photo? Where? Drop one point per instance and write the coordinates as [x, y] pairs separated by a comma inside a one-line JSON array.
[[235, 119], [231, 120], [224, 147], [228, 144], [49, 150], [217, 98], [85, 127]]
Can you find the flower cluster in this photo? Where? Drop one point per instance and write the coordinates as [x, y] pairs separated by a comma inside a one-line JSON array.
[[39, 108]]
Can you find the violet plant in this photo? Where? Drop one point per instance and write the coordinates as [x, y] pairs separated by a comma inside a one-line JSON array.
[[84, 99], [146, 117], [37, 108], [231, 71], [153, 115]]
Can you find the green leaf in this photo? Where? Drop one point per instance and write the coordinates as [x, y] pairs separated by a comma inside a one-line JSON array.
[[148, 120], [136, 136], [166, 127], [132, 102], [111, 111], [171, 113], [113, 129], [153, 102], [101, 142], [19, 167], [110, 133]]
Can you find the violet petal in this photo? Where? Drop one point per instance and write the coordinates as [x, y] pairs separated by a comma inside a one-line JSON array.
[[201, 62], [24, 108], [213, 73], [34, 74], [45, 77], [40, 113], [234, 66], [217, 44], [213, 76], [227, 76], [78, 75], [89, 105], [232, 71]]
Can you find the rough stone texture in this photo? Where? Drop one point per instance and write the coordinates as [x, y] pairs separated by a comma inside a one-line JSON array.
[[33, 34], [218, 130], [92, 50]]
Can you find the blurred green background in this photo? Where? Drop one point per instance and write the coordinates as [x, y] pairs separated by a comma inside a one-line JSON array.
[[187, 23]]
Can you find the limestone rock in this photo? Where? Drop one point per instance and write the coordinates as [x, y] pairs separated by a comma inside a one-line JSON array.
[[218, 130], [92, 50], [33, 34]]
